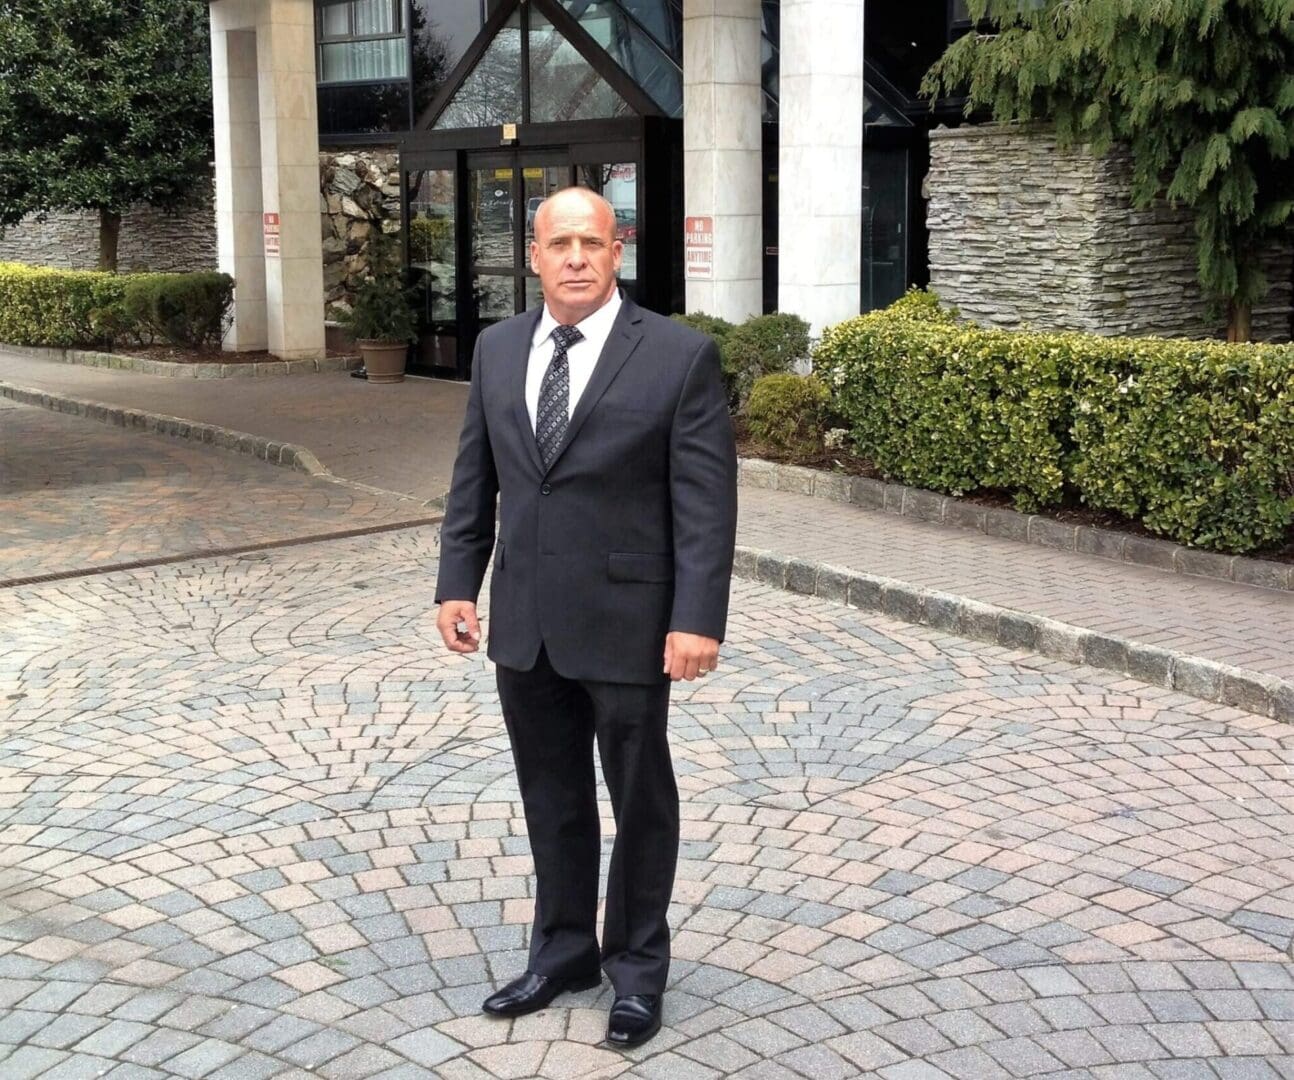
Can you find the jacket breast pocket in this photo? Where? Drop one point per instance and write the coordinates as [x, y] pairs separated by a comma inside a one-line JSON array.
[[635, 566]]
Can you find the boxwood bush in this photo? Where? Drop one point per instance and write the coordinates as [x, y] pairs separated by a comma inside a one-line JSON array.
[[43, 306], [1195, 439], [190, 310], [68, 308]]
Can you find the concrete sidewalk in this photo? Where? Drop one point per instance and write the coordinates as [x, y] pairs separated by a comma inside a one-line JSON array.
[[402, 438]]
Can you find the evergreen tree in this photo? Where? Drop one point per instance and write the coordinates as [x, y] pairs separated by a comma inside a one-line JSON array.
[[103, 103], [1200, 91]]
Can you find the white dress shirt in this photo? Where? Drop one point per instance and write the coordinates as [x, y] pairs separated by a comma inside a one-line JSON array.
[[581, 358]]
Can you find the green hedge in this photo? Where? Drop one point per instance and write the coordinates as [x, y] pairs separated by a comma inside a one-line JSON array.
[[69, 308], [1195, 439], [42, 306], [190, 310]]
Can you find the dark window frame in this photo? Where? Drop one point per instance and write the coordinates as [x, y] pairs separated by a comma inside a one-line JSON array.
[[322, 40]]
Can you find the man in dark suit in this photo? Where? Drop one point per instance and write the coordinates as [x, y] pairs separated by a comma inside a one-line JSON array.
[[603, 431]]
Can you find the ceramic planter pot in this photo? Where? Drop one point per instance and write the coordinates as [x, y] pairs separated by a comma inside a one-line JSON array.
[[384, 360]]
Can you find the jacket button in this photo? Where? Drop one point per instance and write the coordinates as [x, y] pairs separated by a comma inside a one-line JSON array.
[[546, 489]]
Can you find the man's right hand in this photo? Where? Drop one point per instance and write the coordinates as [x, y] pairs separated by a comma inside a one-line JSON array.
[[459, 626]]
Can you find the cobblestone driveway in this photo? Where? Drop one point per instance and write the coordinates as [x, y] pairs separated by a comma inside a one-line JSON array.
[[76, 495], [254, 822]]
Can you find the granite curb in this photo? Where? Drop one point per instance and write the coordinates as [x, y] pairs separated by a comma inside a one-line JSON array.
[[1171, 669], [930, 506], [122, 362], [270, 450]]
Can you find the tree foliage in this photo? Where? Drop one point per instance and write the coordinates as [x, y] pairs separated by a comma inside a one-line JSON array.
[[102, 104], [1200, 91]]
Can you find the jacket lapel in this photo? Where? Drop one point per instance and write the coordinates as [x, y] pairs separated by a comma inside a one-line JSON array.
[[516, 389], [626, 333]]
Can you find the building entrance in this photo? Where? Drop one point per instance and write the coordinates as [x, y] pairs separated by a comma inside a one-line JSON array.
[[470, 219]]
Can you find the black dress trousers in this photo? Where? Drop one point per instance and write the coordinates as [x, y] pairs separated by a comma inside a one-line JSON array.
[[552, 723]]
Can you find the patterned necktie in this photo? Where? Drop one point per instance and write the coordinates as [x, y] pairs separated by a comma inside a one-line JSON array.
[[553, 411]]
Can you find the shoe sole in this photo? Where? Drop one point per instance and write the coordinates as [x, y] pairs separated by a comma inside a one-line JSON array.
[[591, 983], [629, 1044]]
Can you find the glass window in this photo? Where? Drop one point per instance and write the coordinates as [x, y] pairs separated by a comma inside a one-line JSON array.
[[563, 85], [361, 40], [640, 56], [432, 243], [491, 93], [885, 226], [617, 182], [439, 34]]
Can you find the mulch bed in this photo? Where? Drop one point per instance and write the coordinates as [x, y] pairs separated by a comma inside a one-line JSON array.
[[1070, 512], [174, 355]]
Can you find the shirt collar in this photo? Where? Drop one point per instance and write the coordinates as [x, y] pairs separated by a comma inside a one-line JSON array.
[[596, 325]]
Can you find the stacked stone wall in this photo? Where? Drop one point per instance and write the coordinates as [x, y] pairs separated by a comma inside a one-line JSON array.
[[359, 191], [150, 239], [1022, 233]]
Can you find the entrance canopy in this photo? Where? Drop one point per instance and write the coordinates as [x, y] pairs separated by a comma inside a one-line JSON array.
[[536, 104]]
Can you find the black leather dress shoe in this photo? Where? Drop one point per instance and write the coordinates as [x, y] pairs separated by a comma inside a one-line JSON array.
[[530, 992], [634, 1019]]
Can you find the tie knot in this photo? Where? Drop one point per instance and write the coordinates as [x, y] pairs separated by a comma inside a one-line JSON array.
[[566, 336]]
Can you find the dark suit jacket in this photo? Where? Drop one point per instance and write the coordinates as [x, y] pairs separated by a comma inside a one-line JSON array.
[[628, 535]]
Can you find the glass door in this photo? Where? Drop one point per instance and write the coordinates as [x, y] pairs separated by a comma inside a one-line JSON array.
[[469, 223], [431, 206], [493, 227]]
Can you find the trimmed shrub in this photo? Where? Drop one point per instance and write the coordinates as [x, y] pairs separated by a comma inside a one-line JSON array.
[[43, 306], [69, 308], [190, 310], [762, 345], [950, 408], [921, 304], [717, 328], [786, 412], [1195, 439]]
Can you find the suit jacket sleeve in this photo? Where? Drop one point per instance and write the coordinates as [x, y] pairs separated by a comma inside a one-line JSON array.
[[703, 493], [467, 533]]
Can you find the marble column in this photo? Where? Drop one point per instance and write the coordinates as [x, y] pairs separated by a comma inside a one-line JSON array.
[[290, 177], [722, 167], [267, 167], [820, 160], [237, 129]]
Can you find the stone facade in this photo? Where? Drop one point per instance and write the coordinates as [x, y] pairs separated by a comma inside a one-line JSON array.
[[1022, 233], [150, 239], [359, 192]]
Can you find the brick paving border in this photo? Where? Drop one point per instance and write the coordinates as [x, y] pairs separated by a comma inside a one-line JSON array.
[[930, 506], [121, 362], [1171, 669]]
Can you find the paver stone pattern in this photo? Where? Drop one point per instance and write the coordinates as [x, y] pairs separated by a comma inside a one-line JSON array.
[[255, 822], [77, 495]]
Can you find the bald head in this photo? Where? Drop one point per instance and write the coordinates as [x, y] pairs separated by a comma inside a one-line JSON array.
[[575, 253], [576, 199]]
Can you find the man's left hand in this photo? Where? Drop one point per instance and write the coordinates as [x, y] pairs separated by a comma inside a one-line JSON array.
[[690, 655]]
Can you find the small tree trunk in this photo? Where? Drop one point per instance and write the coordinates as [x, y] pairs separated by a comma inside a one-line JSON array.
[[1239, 321], [109, 232]]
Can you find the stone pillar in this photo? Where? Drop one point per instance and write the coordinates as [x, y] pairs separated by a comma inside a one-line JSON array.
[[267, 163], [820, 160], [236, 113], [722, 167]]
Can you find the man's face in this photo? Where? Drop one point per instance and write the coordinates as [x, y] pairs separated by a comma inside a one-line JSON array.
[[575, 253]]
